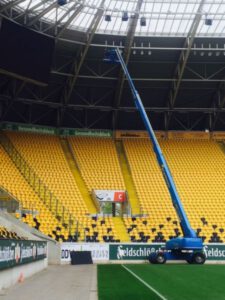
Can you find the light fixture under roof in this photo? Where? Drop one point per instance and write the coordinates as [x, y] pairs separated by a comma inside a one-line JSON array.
[[208, 22], [62, 2], [143, 21], [108, 18], [125, 16]]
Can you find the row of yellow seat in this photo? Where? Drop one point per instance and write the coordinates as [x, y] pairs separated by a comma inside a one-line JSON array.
[[8, 234], [45, 155], [15, 183], [37, 213], [198, 170], [98, 162]]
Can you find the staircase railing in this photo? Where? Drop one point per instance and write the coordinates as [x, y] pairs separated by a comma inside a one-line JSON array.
[[48, 198]]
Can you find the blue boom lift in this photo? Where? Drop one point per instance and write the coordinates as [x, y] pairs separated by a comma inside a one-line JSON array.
[[190, 246]]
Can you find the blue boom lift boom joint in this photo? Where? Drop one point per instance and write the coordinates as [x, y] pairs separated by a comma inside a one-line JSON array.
[[189, 247]]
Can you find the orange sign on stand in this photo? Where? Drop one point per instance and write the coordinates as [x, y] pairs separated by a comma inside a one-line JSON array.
[[119, 196]]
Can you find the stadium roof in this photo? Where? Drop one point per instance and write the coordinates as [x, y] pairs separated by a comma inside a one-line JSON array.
[[176, 61], [163, 17]]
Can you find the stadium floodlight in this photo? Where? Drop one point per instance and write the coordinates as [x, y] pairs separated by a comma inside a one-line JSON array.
[[143, 21], [107, 18], [61, 2], [125, 16], [208, 22]]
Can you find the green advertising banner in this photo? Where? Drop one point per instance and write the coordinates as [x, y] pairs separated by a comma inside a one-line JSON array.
[[132, 251], [55, 131], [142, 251], [85, 132], [17, 252], [29, 128]]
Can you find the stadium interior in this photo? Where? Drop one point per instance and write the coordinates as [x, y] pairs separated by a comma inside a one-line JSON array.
[[96, 162], [68, 168], [77, 165]]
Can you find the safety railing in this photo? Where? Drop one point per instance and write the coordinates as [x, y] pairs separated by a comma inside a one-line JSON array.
[[48, 198]]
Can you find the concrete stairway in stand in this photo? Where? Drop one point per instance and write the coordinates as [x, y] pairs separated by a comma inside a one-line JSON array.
[[121, 229], [128, 180], [77, 176], [222, 146]]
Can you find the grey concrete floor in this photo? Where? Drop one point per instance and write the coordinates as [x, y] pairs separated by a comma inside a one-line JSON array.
[[68, 282]]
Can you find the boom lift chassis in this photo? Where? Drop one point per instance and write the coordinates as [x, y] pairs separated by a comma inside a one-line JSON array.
[[190, 246]]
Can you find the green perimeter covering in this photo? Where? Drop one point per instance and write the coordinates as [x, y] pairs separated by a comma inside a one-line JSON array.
[[174, 282]]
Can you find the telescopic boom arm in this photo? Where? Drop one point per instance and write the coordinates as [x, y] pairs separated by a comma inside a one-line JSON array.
[[115, 56]]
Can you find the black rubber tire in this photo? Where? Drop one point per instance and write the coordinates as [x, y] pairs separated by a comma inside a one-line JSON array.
[[198, 258], [189, 261], [160, 258], [153, 262], [152, 258]]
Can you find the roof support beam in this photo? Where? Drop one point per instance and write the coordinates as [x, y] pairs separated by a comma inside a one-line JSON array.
[[221, 103], [5, 98], [137, 78], [10, 4], [27, 11], [179, 71], [42, 13], [70, 19], [58, 22], [126, 56], [78, 62]]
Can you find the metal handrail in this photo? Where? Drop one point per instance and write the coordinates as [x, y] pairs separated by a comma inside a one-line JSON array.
[[41, 189]]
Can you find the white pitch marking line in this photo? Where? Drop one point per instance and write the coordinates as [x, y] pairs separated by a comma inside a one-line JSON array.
[[145, 283]]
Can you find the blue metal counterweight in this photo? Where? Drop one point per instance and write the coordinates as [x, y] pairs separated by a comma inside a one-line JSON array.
[[189, 242]]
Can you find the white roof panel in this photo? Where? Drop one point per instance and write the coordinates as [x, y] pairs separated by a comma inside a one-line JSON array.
[[163, 17]]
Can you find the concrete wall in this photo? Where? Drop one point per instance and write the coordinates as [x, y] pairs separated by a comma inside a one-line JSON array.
[[22, 229], [54, 253], [18, 274], [15, 225]]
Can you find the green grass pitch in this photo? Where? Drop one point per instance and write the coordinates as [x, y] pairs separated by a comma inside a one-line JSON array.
[[172, 282]]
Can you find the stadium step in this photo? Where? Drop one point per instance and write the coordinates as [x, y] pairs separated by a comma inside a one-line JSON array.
[[222, 146], [128, 180], [49, 205], [121, 229], [77, 176]]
